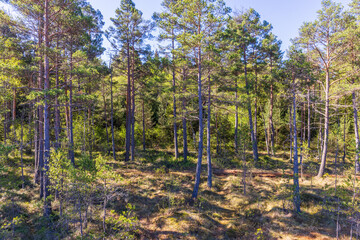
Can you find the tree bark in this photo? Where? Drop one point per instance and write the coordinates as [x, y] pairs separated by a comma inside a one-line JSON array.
[[201, 124], [184, 123], [247, 86], [71, 132], [143, 125], [128, 106], [236, 116], [326, 126], [174, 98], [296, 166], [47, 202], [208, 147], [112, 115], [133, 108]]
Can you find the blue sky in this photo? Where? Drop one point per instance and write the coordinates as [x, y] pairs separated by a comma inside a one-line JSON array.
[[286, 16]]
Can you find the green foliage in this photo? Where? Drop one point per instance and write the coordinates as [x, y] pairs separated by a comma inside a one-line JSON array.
[[124, 225]]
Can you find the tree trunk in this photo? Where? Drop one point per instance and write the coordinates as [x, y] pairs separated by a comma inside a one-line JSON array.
[[344, 135], [201, 126], [291, 134], [326, 126], [174, 100], [57, 111], [271, 123], [253, 138], [185, 142], [133, 109], [143, 125], [47, 203], [208, 147], [308, 118], [356, 130], [112, 117], [106, 119], [71, 132], [21, 150], [296, 166], [128, 106], [236, 116]]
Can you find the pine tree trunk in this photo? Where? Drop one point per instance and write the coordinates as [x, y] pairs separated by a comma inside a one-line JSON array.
[[112, 117], [291, 134], [208, 147], [326, 127], [47, 203], [255, 108], [57, 111], [143, 125], [236, 116], [201, 126], [174, 100], [344, 138], [253, 139], [133, 110], [356, 130], [296, 164], [21, 150], [308, 118], [184, 123], [71, 132], [106, 120], [271, 124], [128, 107]]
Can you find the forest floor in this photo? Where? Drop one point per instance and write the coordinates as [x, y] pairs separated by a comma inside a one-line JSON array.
[[159, 187]]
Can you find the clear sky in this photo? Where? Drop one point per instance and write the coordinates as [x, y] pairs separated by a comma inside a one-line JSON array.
[[286, 16]]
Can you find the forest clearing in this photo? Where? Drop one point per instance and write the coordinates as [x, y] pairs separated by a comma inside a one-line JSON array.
[[194, 123]]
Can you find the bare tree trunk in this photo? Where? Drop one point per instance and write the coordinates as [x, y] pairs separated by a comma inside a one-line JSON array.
[[271, 124], [128, 107], [308, 118], [208, 147], [356, 130], [57, 111], [236, 115], [255, 106], [201, 126], [106, 119], [253, 138], [266, 135], [344, 135], [184, 123], [326, 127], [291, 134], [143, 124], [47, 203], [21, 150], [14, 115], [84, 133], [71, 132], [112, 117], [133, 111], [244, 171], [296, 166], [174, 99]]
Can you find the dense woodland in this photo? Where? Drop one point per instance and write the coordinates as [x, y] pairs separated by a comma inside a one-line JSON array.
[[214, 134]]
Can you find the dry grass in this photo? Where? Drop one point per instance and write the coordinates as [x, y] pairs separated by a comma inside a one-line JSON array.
[[160, 194]]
